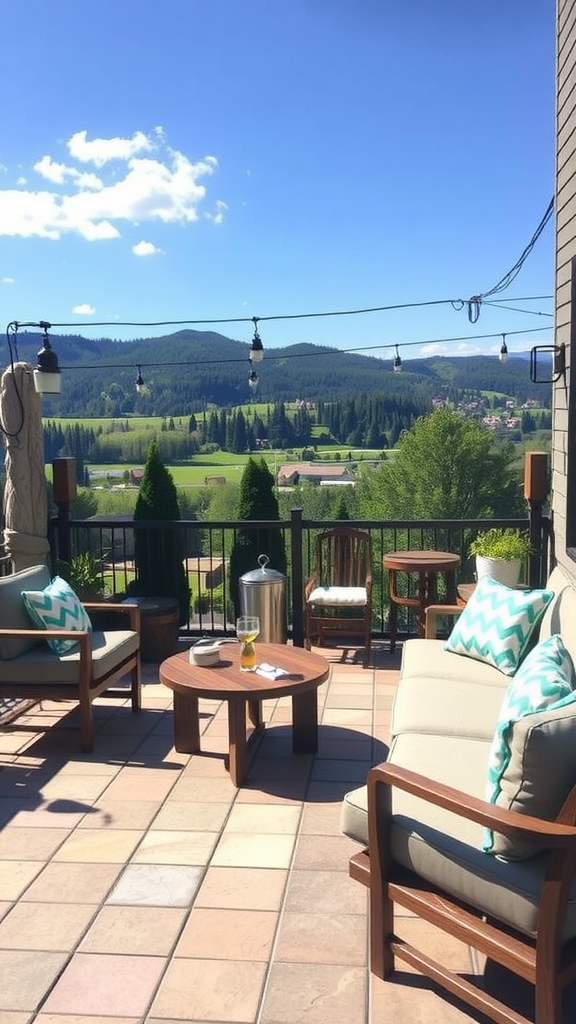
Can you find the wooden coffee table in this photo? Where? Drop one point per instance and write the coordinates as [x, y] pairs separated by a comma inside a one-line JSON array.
[[245, 692]]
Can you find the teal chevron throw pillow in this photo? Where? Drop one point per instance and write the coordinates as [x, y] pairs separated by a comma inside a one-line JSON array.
[[544, 682], [57, 607], [496, 624]]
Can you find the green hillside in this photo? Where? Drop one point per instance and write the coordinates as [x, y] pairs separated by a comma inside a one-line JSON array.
[[190, 370]]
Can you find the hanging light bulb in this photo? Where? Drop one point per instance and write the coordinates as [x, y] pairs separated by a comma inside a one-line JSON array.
[[256, 354], [397, 362], [503, 351], [47, 378], [140, 385], [253, 379]]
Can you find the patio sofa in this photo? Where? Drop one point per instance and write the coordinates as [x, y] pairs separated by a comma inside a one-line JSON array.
[[31, 669], [499, 875]]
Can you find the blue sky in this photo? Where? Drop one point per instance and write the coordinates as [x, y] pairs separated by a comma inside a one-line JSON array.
[[224, 159]]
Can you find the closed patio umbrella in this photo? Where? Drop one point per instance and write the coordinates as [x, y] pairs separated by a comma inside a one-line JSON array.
[[25, 494]]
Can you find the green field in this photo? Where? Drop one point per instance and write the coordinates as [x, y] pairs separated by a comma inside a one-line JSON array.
[[229, 466]]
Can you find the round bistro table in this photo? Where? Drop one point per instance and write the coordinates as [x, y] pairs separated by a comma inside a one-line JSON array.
[[244, 692], [428, 564]]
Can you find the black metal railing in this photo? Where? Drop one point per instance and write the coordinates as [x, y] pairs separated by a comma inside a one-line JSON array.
[[207, 547]]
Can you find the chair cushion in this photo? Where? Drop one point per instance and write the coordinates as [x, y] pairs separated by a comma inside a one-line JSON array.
[[443, 849], [496, 624], [343, 596], [533, 769], [57, 607], [13, 614], [43, 666]]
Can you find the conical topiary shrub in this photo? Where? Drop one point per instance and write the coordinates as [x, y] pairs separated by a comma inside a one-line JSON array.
[[257, 502], [159, 553]]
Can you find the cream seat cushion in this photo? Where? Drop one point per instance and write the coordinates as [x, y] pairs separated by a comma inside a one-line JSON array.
[[344, 596], [42, 665]]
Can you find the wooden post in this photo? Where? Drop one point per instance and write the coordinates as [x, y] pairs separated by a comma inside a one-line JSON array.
[[535, 491], [296, 541], [64, 480]]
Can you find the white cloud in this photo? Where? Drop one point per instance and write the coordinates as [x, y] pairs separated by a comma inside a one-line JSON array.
[[8, 280], [101, 151], [84, 309], [145, 249], [221, 209], [436, 348], [163, 187], [57, 174]]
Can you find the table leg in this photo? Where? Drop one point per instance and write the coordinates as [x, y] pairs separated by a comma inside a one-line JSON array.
[[237, 740], [305, 722], [186, 723], [422, 597], [255, 712], [451, 591], [393, 614]]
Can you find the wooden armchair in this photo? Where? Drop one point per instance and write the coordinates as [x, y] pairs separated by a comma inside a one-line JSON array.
[[338, 593], [423, 821], [30, 669], [538, 896]]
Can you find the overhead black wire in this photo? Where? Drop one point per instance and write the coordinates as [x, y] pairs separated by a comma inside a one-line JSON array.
[[514, 309], [474, 303], [456, 304]]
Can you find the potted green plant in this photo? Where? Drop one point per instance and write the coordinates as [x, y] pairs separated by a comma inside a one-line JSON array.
[[84, 574], [500, 554]]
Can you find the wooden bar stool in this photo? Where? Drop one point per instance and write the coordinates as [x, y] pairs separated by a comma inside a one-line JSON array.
[[428, 565]]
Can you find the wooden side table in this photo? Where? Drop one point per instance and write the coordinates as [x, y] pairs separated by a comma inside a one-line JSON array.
[[428, 565]]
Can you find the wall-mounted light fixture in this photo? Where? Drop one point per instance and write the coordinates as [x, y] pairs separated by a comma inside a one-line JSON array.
[[47, 376], [558, 353]]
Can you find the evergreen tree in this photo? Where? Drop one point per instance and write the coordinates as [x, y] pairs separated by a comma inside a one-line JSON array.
[[257, 502], [446, 467], [341, 508], [158, 554]]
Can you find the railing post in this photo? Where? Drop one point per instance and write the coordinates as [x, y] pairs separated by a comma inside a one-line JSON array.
[[296, 540], [535, 491], [64, 481]]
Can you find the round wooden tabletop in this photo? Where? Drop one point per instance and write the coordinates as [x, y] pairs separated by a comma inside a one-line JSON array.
[[421, 561], [225, 680]]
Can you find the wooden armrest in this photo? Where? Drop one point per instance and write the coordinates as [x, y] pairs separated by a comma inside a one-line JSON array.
[[548, 834], [132, 610], [45, 634], [433, 612], [311, 582]]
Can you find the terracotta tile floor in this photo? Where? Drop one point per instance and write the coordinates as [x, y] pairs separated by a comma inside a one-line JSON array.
[[138, 886]]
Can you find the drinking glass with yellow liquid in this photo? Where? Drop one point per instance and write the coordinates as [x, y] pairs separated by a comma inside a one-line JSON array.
[[247, 629]]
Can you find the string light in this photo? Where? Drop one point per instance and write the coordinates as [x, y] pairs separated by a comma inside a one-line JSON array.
[[257, 350], [12, 328]]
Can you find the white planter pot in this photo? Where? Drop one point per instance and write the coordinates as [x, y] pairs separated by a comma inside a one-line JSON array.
[[506, 571]]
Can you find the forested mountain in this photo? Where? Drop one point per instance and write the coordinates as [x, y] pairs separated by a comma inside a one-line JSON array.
[[190, 370]]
